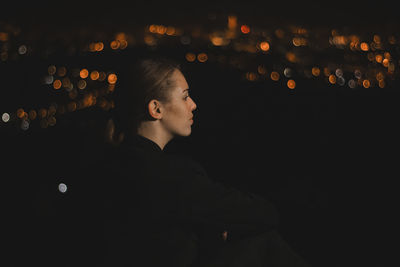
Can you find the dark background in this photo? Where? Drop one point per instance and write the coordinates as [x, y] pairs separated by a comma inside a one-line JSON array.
[[327, 156]]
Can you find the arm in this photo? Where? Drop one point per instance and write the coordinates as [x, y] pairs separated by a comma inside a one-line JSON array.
[[212, 204]]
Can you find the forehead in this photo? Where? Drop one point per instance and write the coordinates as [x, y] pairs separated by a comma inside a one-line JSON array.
[[180, 81]]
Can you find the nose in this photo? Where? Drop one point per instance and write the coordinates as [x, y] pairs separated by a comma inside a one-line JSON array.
[[194, 106]]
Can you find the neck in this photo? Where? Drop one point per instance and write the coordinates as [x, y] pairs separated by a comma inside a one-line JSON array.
[[152, 130]]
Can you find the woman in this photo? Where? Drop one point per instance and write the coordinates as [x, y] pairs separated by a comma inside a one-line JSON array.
[[163, 209]]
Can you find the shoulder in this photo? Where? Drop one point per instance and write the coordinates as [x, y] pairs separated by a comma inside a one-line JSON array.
[[186, 162]]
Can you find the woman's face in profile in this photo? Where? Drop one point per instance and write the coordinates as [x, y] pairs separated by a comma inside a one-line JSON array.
[[178, 116]]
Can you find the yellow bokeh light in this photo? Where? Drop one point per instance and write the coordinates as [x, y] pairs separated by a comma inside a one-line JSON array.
[[161, 29], [190, 57], [385, 62], [232, 22], [112, 78], [123, 44], [170, 31], [99, 46], [20, 113], [202, 57], [379, 58], [315, 71], [264, 46], [364, 46], [381, 84], [120, 36], [366, 83], [94, 75], [299, 41], [251, 76], [332, 79], [217, 40], [275, 76], [152, 28], [84, 73], [114, 44]]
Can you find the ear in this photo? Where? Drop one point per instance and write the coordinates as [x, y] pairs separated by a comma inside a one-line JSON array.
[[155, 109]]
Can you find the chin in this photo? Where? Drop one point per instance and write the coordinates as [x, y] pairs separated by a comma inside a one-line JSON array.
[[185, 133]]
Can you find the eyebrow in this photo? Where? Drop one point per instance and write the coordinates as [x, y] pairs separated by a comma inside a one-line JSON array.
[[187, 89]]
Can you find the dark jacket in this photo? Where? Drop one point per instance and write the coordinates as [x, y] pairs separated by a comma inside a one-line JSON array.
[[162, 209]]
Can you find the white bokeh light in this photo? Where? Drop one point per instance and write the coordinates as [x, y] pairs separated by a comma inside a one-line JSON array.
[[62, 187], [25, 125], [5, 117], [22, 49]]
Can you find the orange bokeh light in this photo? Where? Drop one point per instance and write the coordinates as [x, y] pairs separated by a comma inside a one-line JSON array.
[[94, 75], [332, 79], [190, 57], [112, 78], [57, 84], [202, 57], [315, 71], [20, 113], [245, 29], [84, 73], [291, 84], [366, 83], [274, 76], [364, 46], [264, 46], [114, 45]]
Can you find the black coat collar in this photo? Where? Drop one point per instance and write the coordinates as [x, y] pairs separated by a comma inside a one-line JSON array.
[[145, 143]]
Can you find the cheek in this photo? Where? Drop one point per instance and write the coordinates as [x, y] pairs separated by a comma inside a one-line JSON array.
[[176, 113]]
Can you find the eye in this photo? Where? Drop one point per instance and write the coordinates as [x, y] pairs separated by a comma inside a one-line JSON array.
[[186, 97]]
